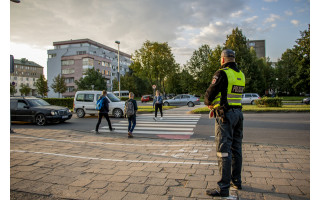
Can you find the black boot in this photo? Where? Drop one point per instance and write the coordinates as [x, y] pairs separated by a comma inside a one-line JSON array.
[[216, 193]]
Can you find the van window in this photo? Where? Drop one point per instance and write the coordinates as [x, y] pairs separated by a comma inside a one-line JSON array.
[[113, 98], [85, 97], [247, 95]]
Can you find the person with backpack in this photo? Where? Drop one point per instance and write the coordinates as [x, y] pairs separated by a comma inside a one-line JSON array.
[[157, 103], [131, 111], [103, 107]]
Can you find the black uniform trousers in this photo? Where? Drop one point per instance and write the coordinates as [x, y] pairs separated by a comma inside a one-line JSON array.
[[100, 118], [228, 140]]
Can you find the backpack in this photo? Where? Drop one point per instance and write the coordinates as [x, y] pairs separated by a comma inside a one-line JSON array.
[[129, 109], [100, 103]]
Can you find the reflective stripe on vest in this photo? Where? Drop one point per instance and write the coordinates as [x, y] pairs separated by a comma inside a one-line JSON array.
[[236, 84]]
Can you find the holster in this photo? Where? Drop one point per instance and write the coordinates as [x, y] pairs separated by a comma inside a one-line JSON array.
[[220, 113]]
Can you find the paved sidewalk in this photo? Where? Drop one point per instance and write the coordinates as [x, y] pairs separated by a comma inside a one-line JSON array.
[[47, 164]]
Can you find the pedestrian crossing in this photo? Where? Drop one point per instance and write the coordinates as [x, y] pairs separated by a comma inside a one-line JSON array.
[[170, 124]]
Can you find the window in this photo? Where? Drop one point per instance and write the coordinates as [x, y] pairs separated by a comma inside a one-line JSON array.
[[87, 62], [67, 62], [27, 79], [85, 97], [81, 52], [69, 80], [70, 89], [21, 104], [21, 78], [247, 95], [68, 71]]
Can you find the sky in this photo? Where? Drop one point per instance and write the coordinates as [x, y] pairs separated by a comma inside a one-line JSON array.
[[185, 25]]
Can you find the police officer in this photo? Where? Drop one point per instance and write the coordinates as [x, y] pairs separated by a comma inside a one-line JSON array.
[[224, 97]]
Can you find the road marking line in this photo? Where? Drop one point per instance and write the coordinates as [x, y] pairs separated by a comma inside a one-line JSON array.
[[158, 125], [160, 122], [108, 143], [148, 132], [116, 160], [151, 128]]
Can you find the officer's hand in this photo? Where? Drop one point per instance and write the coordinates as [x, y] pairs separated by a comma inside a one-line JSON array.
[[210, 107]]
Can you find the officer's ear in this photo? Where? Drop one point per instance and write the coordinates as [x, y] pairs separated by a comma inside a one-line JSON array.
[[222, 60]]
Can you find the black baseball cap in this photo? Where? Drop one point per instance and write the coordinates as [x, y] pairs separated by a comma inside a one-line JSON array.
[[228, 53]]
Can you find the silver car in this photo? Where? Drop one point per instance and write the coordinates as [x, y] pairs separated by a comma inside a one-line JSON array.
[[182, 100], [248, 98]]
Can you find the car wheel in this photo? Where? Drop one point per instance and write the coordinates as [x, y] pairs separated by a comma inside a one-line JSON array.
[[40, 120], [190, 104], [117, 113], [80, 113], [166, 104]]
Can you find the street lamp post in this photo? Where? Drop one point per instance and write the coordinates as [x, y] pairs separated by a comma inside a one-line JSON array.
[[118, 42]]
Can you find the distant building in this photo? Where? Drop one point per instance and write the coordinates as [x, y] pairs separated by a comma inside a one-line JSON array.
[[72, 58], [259, 46], [25, 72]]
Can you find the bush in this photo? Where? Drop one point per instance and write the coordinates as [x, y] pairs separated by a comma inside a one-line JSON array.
[[124, 98], [269, 102], [65, 102]]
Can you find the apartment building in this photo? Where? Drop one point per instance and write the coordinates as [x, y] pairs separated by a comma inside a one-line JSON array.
[[25, 72], [259, 46], [72, 58]]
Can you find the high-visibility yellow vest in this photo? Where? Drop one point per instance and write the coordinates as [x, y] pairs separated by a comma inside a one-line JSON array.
[[236, 84]]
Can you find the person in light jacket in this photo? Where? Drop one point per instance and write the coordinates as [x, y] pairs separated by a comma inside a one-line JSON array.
[[157, 104]]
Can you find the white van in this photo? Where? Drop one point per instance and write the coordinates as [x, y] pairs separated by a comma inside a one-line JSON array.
[[85, 103], [123, 93]]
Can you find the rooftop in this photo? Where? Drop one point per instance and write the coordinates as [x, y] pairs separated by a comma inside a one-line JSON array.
[[24, 61], [90, 42]]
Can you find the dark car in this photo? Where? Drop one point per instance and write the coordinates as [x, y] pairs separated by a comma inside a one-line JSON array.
[[35, 110], [146, 98], [306, 100]]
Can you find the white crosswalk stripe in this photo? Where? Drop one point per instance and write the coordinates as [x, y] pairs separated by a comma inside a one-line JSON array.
[[171, 124]]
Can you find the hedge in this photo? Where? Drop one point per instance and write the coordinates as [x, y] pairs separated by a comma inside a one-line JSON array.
[[269, 102], [124, 98], [65, 102]]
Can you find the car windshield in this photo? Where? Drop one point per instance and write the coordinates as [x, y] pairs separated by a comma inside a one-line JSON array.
[[38, 102], [112, 97]]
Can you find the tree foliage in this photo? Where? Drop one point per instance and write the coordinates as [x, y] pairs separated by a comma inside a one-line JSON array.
[[155, 62], [25, 89], [92, 77], [59, 86], [42, 86]]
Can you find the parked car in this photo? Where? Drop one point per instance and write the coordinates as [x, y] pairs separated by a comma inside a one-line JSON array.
[[35, 110], [306, 100], [182, 100], [146, 98], [248, 98], [85, 103]]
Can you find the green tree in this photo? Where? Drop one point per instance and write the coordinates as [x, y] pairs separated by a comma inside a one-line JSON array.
[[42, 86], [13, 89], [59, 84], [202, 65], [93, 77], [25, 90], [155, 62]]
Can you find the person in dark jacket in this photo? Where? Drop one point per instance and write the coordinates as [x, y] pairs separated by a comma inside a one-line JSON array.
[[133, 117], [157, 103], [104, 111]]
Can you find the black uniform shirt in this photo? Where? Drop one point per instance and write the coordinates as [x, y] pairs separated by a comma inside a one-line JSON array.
[[219, 84]]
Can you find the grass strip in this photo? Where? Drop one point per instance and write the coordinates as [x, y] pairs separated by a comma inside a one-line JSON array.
[[254, 108]]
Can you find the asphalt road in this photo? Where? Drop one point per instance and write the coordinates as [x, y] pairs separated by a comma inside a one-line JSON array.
[[265, 128]]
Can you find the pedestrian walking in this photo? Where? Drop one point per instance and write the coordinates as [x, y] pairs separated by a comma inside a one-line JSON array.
[[157, 104], [131, 113], [224, 97], [103, 111]]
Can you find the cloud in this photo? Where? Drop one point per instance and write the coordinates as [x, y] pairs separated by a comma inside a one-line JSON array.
[[40, 23], [288, 12], [272, 18], [251, 19], [295, 22], [237, 14], [273, 25]]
